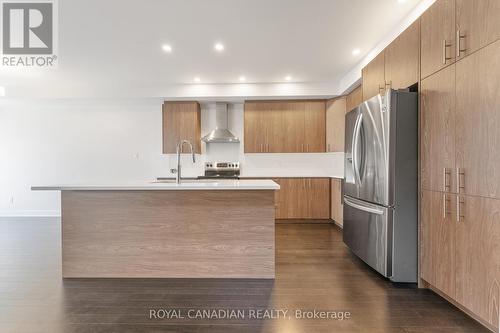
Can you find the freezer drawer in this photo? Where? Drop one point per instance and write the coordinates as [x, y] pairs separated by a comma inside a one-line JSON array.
[[368, 233]]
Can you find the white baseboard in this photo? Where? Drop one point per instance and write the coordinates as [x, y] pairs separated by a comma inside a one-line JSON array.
[[30, 213]]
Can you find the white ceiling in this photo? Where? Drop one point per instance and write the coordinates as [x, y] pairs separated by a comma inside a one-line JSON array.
[[113, 48]]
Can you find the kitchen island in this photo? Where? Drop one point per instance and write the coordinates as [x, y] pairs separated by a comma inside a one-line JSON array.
[[196, 229]]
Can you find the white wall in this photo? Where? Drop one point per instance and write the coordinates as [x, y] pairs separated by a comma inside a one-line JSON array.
[[46, 142]]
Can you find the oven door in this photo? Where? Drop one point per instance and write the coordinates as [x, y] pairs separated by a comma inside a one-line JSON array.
[[368, 233]]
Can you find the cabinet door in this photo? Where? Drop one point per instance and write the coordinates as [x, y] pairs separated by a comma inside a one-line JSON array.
[[255, 127], [181, 121], [402, 58], [315, 126], [335, 124], [478, 122], [337, 207], [438, 241], [317, 196], [293, 132], [478, 257], [437, 40], [374, 77], [478, 21], [437, 107], [354, 98]]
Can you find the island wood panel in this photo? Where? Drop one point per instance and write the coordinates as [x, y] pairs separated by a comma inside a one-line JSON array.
[[438, 241], [335, 124], [336, 206], [168, 234], [402, 59], [437, 25], [354, 98], [478, 122], [478, 257], [478, 22], [181, 121], [374, 77], [437, 138]]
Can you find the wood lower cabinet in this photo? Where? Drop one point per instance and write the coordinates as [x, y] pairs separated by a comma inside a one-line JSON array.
[[335, 124], [437, 139], [354, 98], [478, 122], [285, 126], [460, 251], [477, 24], [303, 198], [336, 206], [437, 41], [477, 258], [181, 121], [374, 77], [438, 241], [402, 59]]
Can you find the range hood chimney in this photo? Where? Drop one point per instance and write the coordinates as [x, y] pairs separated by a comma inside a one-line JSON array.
[[220, 134]]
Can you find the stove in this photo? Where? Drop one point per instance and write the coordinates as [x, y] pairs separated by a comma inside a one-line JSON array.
[[221, 170]]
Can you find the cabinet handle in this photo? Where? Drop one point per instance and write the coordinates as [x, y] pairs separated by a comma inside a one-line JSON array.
[[380, 89], [460, 210], [445, 204], [329, 147], [302, 147], [445, 45], [388, 85], [268, 147], [446, 180], [460, 183], [459, 38]]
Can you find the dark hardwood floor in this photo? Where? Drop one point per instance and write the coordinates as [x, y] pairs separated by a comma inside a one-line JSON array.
[[314, 271]]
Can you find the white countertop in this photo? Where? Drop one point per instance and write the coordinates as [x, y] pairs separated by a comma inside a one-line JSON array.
[[244, 184]]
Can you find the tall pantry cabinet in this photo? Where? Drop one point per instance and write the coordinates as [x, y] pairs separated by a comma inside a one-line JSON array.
[[460, 154]]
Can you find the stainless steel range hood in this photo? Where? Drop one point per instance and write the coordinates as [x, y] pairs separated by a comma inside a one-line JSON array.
[[220, 134]]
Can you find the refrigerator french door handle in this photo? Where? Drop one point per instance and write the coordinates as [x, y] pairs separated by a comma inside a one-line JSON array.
[[355, 144], [362, 207]]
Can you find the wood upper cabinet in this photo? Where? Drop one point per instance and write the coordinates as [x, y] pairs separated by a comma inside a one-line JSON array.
[[181, 121], [402, 59], [478, 122], [437, 39], [315, 126], [477, 24], [438, 244], [354, 98], [374, 77], [437, 140], [478, 257], [285, 126], [335, 124], [303, 198], [336, 206]]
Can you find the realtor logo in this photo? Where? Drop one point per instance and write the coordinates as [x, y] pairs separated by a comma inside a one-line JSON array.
[[28, 30]]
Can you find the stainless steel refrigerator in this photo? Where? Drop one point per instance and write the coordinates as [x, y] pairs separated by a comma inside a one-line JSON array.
[[380, 185]]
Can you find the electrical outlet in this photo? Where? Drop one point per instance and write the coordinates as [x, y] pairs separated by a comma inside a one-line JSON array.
[[136, 156]]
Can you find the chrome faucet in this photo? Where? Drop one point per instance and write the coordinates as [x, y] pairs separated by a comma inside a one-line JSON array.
[[178, 152]]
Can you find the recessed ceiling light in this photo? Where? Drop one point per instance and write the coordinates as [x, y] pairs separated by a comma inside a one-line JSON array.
[[219, 47], [356, 52], [197, 79], [288, 78], [167, 48], [243, 79]]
